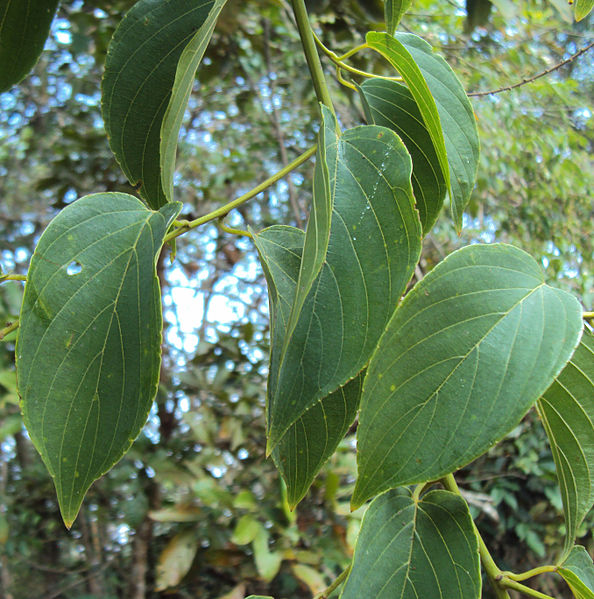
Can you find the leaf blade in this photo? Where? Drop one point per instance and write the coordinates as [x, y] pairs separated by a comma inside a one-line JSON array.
[[566, 410], [445, 107], [439, 376], [578, 572], [79, 355], [414, 549], [393, 12], [143, 91], [24, 27]]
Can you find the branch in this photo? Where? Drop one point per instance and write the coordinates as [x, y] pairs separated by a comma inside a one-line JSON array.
[[534, 77], [12, 278], [13, 326], [339, 580]]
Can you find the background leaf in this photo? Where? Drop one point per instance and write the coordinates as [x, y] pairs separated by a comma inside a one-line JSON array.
[[567, 412], [445, 107], [468, 351], [582, 8], [394, 11], [176, 559], [412, 549], [143, 92], [578, 572], [392, 105], [88, 350], [360, 283], [24, 27]]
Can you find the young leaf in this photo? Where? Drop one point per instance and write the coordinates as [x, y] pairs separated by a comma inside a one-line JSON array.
[[444, 106], [149, 71], [412, 549], [313, 438], [88, 350], [393, 12], [567, 412], [372, 252], [469, 350], [578, 572], [24, 27], [391, 105], [582, 8]]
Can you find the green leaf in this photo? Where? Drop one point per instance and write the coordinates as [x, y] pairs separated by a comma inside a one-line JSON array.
[[416, 549], [582, 8], [372, 252], [176, 559], [317, 233], [88, 350], [393, 12], [149, 72], [313, 438], [567, 412], [444, 104], [392, 105], [267, 562], [578, 572], [469, 350], [24, 27], [260, 597]]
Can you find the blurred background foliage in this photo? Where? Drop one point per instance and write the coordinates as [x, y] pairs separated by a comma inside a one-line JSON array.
[[195, 509]]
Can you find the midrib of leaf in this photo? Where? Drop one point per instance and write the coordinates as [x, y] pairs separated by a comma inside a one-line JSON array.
[[131, 252], [434, 395]]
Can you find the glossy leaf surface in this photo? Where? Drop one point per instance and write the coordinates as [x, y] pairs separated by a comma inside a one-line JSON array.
[[391, 105], [24, 27], [578, 572], [88, 351], [372, 252], [393, 12], [567, 412], [469, 350], [411, 549], [144, 93], [445, 108]]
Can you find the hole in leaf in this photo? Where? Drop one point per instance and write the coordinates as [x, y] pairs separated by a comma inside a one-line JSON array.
[[73, 268]]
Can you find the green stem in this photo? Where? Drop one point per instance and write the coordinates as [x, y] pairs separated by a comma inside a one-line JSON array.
[[338, 61], [339, 580], [516, 586], [493, 572], [185, 225], [13, 326], [12, 278], [529, 573], [417, 492], [311, 54], [588, 315], [232, 230]]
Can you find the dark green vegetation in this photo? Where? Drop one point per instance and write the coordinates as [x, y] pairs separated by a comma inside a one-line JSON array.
[[443, 377]]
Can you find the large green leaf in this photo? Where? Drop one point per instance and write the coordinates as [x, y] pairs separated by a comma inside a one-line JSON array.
[[372, 252], [88, 350], [313, 438], [578, 572], [469, 350], [393, 12], [416, 549], [567, 411], [582, 8], [445, 107], [24, 27], [392, 105], [149, 72]]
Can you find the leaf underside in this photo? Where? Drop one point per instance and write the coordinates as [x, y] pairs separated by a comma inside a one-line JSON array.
[[88, 350], [578, 571], [445, 108], [143, 92], [567, 412], [411, 549], [24, 27], [469, 350]]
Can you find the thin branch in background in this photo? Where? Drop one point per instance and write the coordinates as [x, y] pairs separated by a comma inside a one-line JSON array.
[[9, 328], [537, 76]]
